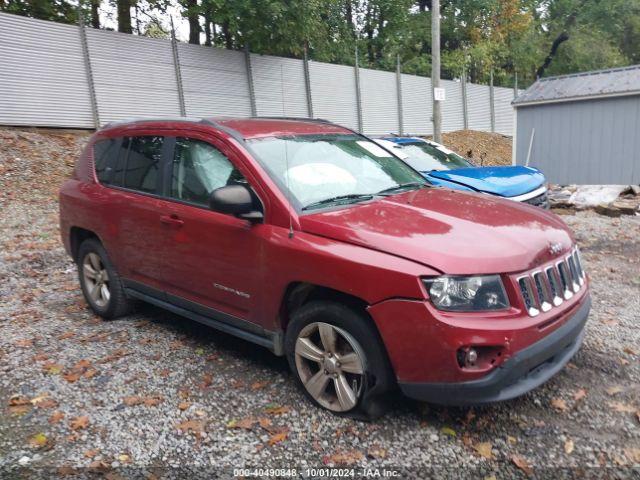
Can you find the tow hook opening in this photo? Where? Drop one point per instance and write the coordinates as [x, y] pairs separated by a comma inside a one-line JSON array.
[[479, 358]]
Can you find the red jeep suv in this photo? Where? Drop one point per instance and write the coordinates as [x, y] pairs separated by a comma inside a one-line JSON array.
[[311, 240]]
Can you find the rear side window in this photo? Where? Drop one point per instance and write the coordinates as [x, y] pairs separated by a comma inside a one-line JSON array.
[[104, 153], [143, 163]]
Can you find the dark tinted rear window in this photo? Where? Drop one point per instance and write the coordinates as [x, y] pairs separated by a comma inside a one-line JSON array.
[[121, 159], [143, 163], [104, 156]]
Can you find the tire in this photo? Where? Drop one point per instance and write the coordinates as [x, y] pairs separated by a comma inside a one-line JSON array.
[[92, 257], [326, 376]]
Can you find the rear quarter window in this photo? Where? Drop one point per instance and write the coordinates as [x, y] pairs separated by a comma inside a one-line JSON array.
[[104, 155]]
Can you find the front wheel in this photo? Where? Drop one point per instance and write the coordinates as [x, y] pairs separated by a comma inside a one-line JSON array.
[[338, 358]]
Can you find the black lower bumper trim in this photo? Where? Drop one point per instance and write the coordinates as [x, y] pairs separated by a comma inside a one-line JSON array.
[[526, 370]]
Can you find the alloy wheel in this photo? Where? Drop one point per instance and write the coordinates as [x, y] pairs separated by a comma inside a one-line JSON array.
[[96, 279], [330, 364]]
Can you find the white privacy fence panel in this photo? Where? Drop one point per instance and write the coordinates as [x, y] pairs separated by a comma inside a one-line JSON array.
[[416, 105], [503, 110], [54, 75], [133, 76], [214, 81], [333, 92], [42, 74], [379, 102], [452, 111], [280, 86], [479, 107]]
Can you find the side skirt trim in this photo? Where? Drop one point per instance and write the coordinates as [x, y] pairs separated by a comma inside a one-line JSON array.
[[214, 319]]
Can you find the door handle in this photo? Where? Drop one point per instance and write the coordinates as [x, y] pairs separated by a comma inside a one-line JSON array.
[[172, 220]]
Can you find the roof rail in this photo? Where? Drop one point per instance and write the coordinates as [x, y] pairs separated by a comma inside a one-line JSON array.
[[298, 119]]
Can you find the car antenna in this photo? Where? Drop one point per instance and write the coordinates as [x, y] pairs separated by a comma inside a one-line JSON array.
[[286, 156]]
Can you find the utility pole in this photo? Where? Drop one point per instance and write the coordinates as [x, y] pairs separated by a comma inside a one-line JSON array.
[[435, 70]]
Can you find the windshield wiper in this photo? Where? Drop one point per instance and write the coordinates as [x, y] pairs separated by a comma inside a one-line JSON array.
[[401, 187], [336, 199]]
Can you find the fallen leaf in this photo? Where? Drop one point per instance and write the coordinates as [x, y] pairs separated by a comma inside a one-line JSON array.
[[484, 449], [183, 406], [246, 423], [622, 407], [66, 335], [633, 454], [579, 395], [610, 322], [56, 417], [522, 464], [152, 401], [124, 458], [276, 410], [44, 402], [91, 453], [71, 377], [132, 401], [638, 415], [348, 457], [79, 423], [614, 390], [52, 368], [24, 343], [195, 426], [259, 385], [99, 466], [512, 440], [19, 400], [38, 440], [376, 452], [559, 404], [448, 431], [265, 423], [278, 437], [630, 351], [568, 447]]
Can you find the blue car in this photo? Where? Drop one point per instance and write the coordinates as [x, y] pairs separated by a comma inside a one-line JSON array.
[[445, 168]]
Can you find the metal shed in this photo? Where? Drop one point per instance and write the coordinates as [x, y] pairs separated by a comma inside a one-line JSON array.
[[582, 128]]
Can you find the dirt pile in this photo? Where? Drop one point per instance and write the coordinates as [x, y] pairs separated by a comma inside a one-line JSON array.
[[481, 147], [33, 163]]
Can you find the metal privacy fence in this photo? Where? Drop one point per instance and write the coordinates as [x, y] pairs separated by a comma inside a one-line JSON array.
[[59, 75]]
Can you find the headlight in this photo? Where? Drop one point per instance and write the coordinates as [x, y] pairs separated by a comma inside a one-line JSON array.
[[467, 294]]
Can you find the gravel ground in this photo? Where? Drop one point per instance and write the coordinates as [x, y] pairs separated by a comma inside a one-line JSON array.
[[152, 393]]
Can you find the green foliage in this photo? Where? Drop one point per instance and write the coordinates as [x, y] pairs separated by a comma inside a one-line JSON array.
[[508, 37]]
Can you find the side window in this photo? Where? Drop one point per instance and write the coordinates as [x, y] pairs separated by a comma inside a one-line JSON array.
[[198, 169], [143, 163], [104, 156], [121, 154]]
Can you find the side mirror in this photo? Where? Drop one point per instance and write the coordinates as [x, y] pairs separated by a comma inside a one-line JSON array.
[[236, 200]]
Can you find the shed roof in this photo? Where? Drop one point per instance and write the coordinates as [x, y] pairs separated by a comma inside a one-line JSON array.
[[582, 86]]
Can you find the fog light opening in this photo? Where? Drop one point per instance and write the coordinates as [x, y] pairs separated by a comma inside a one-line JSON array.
[[467, 357]]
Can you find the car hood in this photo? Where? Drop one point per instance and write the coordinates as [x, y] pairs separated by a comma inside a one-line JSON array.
[[503, 181], [452, 231]]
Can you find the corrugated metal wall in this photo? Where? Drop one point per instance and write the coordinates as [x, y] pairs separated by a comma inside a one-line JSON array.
[[214, 81], [42, 74], [503, 110], [128, 85], [452, 112], [583, 142], [333, 92], [379, 102], [478, 106], [45, 83], [279, 84], [416, 105]]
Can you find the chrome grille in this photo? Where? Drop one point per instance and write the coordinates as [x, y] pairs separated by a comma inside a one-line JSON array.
[[542, 290]]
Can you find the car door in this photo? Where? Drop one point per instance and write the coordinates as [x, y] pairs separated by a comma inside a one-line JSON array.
[[212, 260], [136, 207]]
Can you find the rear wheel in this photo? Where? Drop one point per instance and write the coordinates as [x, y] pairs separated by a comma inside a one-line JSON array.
[[338, 359], [101, 284]]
